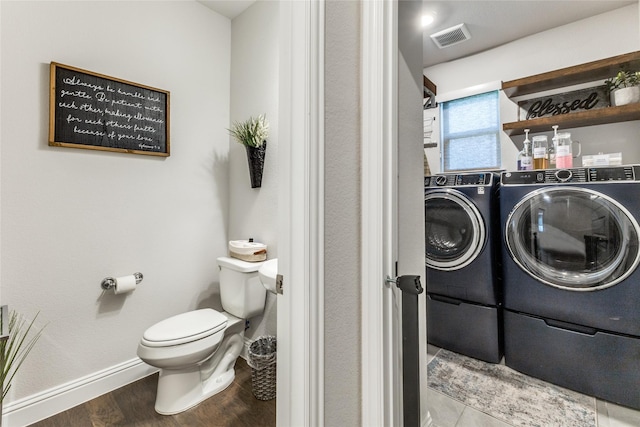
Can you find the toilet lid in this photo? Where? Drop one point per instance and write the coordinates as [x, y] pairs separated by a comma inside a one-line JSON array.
[[185, 327]]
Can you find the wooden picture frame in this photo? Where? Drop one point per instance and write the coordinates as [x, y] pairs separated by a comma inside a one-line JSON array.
[[97, 112]]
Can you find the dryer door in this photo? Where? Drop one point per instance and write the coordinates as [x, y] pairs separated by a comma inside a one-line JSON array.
[[455, 231], [573, 238]]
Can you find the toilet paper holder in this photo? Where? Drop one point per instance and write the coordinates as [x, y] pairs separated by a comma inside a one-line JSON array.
[[110, 282]]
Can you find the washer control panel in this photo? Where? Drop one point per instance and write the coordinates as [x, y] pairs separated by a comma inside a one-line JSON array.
[[572, 176]]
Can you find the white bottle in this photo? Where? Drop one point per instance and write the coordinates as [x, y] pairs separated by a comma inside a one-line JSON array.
[[553, 148], [525, 157]]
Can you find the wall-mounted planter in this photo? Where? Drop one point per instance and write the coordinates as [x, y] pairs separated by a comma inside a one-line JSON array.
[[625, 95], [251, 133], [255, 158]]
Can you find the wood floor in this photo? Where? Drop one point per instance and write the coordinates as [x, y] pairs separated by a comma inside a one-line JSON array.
[[132, 405]]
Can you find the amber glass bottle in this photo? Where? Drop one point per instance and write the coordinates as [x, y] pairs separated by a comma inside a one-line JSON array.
[[540, 152]]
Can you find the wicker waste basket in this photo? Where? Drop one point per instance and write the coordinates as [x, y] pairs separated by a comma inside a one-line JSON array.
[[262, 359]]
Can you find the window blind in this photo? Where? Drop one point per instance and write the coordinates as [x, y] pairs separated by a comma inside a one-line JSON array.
[[471, 132]]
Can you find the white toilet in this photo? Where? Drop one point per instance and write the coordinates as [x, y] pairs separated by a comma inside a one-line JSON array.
[[196, 351]]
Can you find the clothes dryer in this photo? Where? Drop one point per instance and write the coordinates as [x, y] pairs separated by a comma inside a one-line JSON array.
[[570, 279], [461, 256]]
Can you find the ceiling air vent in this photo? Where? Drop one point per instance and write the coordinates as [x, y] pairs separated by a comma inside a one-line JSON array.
[[450, 36]]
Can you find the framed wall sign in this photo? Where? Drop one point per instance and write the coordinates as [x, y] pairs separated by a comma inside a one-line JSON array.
[[97, 112]]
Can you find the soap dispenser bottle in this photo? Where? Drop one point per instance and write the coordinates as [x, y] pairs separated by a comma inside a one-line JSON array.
[[525, 157], [540, 152], [553, 148]]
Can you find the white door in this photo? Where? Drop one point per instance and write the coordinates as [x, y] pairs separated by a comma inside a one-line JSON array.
[[393, 209], [410, 173]]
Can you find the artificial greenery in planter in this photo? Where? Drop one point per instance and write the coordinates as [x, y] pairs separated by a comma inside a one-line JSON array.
[[15, 346], [624, 88], [252, 133]]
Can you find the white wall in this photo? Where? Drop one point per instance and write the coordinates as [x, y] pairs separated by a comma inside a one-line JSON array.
[[71, 217], [254, 91], [609, 34], [342, 362]]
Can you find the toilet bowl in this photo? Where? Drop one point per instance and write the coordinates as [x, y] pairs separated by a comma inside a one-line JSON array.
[[196, 351]]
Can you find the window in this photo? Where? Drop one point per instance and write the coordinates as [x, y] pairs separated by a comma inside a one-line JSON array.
[[471, 132]]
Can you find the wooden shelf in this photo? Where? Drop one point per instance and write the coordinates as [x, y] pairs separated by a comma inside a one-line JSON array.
[[584, 73], [602, 116]]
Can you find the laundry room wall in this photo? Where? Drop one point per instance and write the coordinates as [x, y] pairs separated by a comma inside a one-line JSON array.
[[617, 33], [71, 217], [254, 91]]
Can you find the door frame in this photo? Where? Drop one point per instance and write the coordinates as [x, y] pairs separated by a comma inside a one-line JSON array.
[[300, 321], [300, 227], [381, 334], [301, 384]]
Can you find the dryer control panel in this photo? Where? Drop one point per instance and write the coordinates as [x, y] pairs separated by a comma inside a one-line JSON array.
[[459, 180], [574, 175]]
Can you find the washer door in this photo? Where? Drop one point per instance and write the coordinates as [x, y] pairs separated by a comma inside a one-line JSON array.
[[455, 232], [573, 238]]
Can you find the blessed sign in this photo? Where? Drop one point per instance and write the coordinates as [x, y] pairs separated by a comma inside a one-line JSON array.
[[93, 111], [563, 103]]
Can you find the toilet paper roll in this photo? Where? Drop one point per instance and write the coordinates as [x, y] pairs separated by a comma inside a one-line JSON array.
[[125, 284]]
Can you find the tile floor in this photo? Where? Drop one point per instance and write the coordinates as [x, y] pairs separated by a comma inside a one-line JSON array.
[[447, 412]]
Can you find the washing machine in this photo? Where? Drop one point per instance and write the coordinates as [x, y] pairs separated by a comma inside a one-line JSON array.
[[462, 249], [571, 281]]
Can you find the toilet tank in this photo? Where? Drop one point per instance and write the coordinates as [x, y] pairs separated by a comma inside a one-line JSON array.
[[241, 290]]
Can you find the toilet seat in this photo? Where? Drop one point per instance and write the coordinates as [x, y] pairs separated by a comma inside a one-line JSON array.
[[184, 328]]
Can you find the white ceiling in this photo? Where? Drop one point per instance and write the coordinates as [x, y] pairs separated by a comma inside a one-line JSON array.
[[491, 23], [228, 8]]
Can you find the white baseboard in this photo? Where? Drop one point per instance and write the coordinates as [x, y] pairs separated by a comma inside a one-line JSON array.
[[42, 405]]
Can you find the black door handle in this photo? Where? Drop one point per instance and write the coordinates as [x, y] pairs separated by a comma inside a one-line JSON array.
[[407, 283]]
